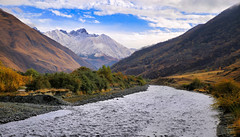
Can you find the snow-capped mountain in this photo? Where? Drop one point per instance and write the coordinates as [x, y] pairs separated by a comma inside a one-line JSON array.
[[84, 44]]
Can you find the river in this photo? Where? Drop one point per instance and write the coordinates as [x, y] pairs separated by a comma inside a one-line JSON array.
[[159, 111]]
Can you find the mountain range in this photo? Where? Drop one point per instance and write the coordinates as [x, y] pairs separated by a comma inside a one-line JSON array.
[[213, 45], [22, 47], [97, 49]]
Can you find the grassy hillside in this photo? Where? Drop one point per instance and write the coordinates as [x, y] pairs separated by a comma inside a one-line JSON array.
[[210, 46]]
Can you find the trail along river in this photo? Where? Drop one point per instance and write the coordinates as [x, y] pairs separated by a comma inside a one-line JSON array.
[[159, 111]]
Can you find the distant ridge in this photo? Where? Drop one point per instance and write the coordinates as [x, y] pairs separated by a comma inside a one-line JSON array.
[[211, 46], [22, 47]]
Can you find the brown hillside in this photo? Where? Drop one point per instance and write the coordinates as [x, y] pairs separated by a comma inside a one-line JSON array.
[[210, 46], [22, 47]]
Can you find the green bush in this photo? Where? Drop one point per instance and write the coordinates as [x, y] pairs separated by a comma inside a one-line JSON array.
[[40, 82], [195, 84], [32, 72], [83, 79], [106, 72], [64, 80], [141, 81], [91, 80], [56, 80]]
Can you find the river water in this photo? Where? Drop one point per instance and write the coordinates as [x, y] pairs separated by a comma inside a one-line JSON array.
[[159, 111]]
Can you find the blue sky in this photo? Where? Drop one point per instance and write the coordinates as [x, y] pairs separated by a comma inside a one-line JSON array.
[[133, 23]]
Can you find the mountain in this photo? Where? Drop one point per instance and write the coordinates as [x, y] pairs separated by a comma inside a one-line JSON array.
[[22, 47], [211, 46], [96, 49]]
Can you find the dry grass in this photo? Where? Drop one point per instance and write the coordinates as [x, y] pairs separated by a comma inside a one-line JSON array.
[[236, 126], [50, 90], [24, 93], [206, 77]]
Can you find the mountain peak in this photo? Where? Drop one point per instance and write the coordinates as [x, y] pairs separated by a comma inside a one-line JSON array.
[[36, 29], [98, 49], [63, 31], [79, 31]]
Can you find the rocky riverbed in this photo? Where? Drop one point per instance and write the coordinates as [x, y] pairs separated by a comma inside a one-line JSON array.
[[160, 111], [19, 108]]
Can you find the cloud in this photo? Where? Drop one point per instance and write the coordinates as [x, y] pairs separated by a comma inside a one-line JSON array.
[[137, 40], [212, 6], [16, 2], [82, 20], [44, 20], [164, 17], [58, 13], [88, 16], [164, 13], [96, 21]]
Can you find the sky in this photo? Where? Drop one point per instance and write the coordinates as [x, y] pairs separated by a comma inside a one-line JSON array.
[[133, 23]]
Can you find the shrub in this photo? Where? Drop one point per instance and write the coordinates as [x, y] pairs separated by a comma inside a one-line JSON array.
[[228, 96], [31, 72], [224, 88], [91, 80], [10, 80], [106, 72], [40, 82], [87, 85], [57, 80], [64, 80], [141, 81], [195, 84]]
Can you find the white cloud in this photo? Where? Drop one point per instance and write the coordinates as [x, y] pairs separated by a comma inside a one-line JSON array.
[[212, 6], [44, 20], [88, 16], [96, 21], [138, 40], [15, 2], [58, 13], [169, 14], [160, 13], [82, 20]]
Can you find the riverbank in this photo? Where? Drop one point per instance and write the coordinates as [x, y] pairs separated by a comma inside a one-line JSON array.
[[20, 108], [19, 111]]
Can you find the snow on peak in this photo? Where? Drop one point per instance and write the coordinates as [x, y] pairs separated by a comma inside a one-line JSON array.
[[79, 32], [85, 44], [63, 31]]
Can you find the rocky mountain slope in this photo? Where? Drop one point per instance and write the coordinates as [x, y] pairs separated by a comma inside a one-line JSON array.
[[22, 47], [213, 45], [97, 49]]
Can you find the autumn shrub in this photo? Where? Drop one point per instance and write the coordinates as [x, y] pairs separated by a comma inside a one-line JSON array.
[[228, 96], [10, 80]]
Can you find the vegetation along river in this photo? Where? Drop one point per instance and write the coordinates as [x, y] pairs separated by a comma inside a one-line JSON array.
[[159, 111]]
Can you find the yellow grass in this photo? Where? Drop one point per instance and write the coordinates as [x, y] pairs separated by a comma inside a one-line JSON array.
[[24, 93], [206, 77]]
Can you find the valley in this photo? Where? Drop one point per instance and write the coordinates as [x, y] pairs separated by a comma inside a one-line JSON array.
[[58, 76]]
